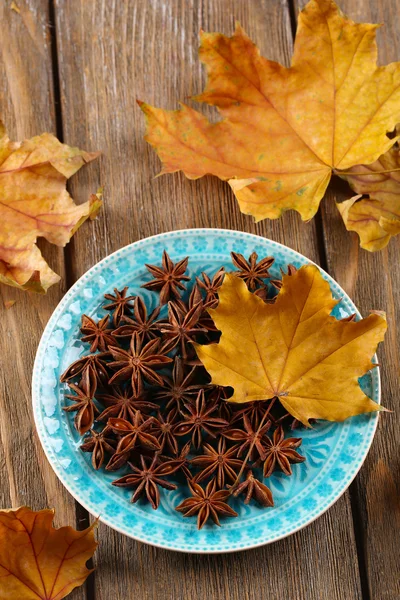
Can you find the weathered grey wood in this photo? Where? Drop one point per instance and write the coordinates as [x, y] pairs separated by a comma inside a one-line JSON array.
[[373, 281], [111, 53], [27, 108]]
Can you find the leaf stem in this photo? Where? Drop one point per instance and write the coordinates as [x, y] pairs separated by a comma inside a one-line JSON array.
[[242, 468]]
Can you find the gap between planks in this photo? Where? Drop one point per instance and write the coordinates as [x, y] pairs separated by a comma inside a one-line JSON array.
[[82, 517]]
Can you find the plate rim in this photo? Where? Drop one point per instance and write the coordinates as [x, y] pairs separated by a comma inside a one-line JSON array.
[[36, 402]]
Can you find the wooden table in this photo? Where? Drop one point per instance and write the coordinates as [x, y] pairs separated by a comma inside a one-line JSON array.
[[76, 68]]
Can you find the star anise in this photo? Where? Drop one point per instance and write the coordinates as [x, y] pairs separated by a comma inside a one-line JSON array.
[[95, 364], [84, 405], [281, 452], [220, 461], [138, 363], [211, 286], [254, 411], [350, 318], [99, 443], [182, 456], [262, 293], [167, 279], [219, 394], [123, 404], [277, 283], [251, 271], [163, 429], [249, 437], [147, 326], [205, 321], [180, 388], [206, 503], [147, 479], [120, 304], [97, 334], [253, 488], [131, 434], [199, 420], [182, 328]]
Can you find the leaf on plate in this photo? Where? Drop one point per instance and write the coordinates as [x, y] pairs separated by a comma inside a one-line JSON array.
[[375, 218], [38, 561], [284, 130], [293, 349], [35, 203]]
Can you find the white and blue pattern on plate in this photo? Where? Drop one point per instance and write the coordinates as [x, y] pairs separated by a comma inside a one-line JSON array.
[[334, 451]]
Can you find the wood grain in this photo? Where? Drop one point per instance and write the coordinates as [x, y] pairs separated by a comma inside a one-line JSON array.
[[373, 282], [110, 53], [27, 108]]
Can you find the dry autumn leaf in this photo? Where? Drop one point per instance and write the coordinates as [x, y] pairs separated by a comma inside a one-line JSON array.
[[35, 203], [284, 130], [38, 561], [292, 349], [375, 218], [9, 304]]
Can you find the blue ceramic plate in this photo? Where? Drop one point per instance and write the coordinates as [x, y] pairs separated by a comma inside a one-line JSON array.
[[334, 451]]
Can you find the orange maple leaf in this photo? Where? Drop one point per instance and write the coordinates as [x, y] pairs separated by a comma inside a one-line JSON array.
[[293, 350], [38, 561], [34, 203], [375, 218], [284, 130]]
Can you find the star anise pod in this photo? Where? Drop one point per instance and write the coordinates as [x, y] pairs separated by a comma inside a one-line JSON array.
[[167, 279], [97, 334], [249, 437], [147, 479], [350, 318], [254, 411], [138, 363], [219, 394], [145, 325], [220, 462], [281, 452], [99, 443], [211, 286], [251, 271], [182, 328], [182, 456], [206, 503], [262, 293], [84, 405], [199, 420], [95, 364], [277, 283], [179, 389], [205, 321], [163, 429], [131, 434], [120, 304], [124, 403], [253, 488]]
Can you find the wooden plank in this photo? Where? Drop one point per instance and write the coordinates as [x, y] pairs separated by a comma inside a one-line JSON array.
[[27, 108], [111, 53], [373, 281]]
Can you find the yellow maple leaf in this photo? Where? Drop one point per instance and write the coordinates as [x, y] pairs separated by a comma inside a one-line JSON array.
[[293, 349], [377, 218], [38, 561], [34, 203], [284, 130]]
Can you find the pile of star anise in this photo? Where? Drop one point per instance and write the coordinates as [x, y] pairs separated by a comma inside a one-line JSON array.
[[147, 406]]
